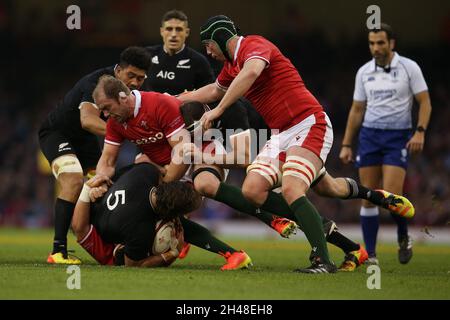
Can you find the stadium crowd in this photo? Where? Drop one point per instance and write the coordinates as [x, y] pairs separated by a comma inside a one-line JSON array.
[[38, 72]]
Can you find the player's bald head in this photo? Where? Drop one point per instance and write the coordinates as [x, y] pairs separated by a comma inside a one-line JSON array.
[[110, 87]]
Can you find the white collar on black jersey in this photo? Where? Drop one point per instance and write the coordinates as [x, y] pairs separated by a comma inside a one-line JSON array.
[[137, 105], [182, 48], [238, 45]]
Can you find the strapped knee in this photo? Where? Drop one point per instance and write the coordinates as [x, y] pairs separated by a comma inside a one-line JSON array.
[[300, 168], [267, 170], [66, 164]]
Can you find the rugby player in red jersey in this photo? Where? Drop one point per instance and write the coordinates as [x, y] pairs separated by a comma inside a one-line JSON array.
[[153, 122], [256, 69]]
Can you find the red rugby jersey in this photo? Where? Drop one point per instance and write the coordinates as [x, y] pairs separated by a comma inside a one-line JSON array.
[[278, 94], [156, 118]]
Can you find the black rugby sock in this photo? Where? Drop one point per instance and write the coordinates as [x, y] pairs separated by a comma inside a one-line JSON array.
[[63, 218], [201, 237]]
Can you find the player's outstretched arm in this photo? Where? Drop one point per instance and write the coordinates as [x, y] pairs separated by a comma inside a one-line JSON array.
[[149, 262], [207, 94], [106, 164], [90, 119], [81, 215], [177, 167], [239, 86], [162, 260], [238, 157]]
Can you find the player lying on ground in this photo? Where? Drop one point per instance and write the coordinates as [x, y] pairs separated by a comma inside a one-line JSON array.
[[153, 121], [68, 140], [324, 185], [127, 214]]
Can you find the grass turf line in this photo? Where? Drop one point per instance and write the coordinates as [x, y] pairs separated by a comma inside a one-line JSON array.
[[25, 275]]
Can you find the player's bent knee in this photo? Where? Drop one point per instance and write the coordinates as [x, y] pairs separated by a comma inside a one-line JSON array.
[[253, 192], [292, 192], [71, 182], [206, 184], [207, 180], [298, 174], [329, 187]]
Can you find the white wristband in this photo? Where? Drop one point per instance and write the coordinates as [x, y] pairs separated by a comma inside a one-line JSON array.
[[84, 195]]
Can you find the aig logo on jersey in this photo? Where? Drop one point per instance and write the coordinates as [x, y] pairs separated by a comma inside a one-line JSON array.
[[153, 139], [166, 75]]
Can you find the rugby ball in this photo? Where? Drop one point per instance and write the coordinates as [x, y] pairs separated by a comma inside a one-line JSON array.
[[163, 236]]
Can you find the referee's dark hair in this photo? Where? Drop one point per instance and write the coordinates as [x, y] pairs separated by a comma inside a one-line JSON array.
[[135, 56], [176, 198], [174, 14], [386, 28]]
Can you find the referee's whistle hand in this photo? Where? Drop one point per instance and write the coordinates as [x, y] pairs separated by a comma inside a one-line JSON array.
[[346, 155], [416, 143]]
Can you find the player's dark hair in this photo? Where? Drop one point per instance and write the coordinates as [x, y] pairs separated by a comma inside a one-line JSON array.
[[137, 57], [174, 14], [192, 111], [386, 28], [111, 87], [176, 198]]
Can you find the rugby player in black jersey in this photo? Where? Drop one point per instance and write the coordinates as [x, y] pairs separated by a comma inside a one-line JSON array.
[[67, 138], [175, 67], [125, 217]]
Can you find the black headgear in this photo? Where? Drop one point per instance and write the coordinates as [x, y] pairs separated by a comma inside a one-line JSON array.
[[219, 29]]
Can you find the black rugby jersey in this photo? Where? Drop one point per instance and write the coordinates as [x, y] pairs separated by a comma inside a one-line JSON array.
[[66, 115], [124, 214], [185, 70]]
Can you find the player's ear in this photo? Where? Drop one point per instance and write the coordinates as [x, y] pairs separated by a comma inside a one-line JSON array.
[[117, 70], [188, 32], [392, 44], [122, 96]]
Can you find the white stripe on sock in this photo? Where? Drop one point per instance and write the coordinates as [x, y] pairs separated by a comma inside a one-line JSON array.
[[369, 212]]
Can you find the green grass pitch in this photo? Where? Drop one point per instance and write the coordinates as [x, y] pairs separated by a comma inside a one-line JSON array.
[[25, 275]]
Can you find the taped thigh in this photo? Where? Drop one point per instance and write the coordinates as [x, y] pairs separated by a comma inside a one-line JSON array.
[[300, 168], [66, 164]]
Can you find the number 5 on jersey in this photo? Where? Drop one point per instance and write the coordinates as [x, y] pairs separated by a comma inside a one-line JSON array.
[[118, 195]]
